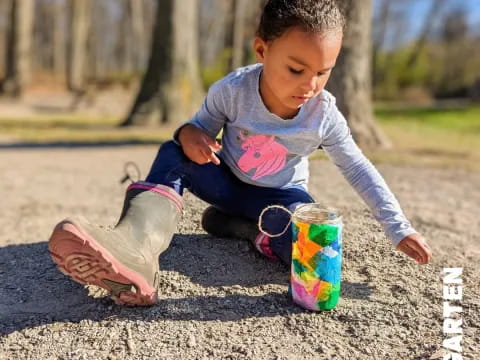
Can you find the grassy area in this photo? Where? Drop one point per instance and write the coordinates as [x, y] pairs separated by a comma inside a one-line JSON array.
[[461, 124], [426, 136], [432, 136], [72, 128]]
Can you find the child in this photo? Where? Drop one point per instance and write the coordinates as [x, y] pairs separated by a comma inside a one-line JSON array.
[[273, 115]]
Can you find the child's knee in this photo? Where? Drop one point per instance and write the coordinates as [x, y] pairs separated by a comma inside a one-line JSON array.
[[170, 146], [171, 151]]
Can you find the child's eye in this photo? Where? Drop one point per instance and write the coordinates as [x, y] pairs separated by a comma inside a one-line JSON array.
[[293, 71]]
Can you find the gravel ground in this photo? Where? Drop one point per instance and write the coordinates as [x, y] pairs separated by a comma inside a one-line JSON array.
[[219, 299]]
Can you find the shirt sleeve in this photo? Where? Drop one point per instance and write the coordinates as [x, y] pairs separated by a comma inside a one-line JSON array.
[[213, 114], [364, 177]]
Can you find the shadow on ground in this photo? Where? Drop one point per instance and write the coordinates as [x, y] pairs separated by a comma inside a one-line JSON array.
[[34, 292]]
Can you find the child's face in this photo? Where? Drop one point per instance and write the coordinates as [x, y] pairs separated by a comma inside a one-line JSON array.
[[296, 67]]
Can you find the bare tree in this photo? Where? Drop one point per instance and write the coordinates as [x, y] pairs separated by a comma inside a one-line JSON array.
[[59, 43], [19, 43], [130, 42], [80, 22], [124, 44], [149, 10], [457, 51], [4, 6], [99, 48], [436, 8], [379, 34], [390, 23], [136, 10], [41, 54], [227, 28], [246, 17], [351, 78], [215, 30], [239, 32], [171, 88]]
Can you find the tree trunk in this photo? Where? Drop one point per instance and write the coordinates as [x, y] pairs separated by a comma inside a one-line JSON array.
[[125, 47], [239, 33], [149, 10], [215, 31], [80, 22], [351, 79], [98, 49], [59, 44], [4, 7], [379, 36], [41, 32], [170, 90], [137, 25], [19, 43]]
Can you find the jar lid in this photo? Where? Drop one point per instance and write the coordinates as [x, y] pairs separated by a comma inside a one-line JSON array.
[[315, 213]]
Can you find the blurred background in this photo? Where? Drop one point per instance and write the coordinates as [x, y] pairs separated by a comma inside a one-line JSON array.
[[129, 71]]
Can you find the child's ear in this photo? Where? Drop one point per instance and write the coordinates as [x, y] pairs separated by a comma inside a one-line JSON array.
[[259, 48]]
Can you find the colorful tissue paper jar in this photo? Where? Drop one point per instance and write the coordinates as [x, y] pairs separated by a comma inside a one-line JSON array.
[[316, 257]]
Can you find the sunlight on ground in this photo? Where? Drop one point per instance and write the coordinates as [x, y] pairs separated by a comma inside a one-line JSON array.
[[75, 128], [424, 137]]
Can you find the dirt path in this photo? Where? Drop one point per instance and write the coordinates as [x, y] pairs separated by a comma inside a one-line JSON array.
[[219, 299]]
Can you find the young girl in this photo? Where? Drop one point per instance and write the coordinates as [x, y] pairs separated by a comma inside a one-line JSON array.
[[273, 115]]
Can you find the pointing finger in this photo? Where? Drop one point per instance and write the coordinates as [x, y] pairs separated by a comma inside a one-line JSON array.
[[212, 143], [209, 152]]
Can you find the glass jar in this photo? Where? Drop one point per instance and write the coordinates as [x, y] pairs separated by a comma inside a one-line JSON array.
[[316, 257]]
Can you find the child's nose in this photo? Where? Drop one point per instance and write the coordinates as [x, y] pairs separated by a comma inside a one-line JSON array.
[[310, 85]]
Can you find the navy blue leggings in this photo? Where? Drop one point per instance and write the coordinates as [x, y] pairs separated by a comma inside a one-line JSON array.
[[218, 186]]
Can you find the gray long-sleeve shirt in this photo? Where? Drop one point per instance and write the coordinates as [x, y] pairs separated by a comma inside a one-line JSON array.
[[265, 150]]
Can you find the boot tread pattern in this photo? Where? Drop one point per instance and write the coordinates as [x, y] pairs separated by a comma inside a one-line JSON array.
[[81, 258]]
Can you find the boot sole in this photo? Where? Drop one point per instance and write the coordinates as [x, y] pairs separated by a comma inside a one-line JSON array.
[[80, 257]]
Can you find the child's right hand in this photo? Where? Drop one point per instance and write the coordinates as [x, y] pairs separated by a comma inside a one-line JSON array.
[[198, 146], [416, 247]]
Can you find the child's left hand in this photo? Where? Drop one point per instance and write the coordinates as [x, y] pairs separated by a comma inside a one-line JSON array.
[[416, 247]]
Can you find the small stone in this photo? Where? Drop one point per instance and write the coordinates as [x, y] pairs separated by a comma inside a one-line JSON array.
[[192, 342], [131, 346]]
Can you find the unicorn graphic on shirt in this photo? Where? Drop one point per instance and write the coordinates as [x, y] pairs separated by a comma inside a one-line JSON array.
[[263, 154]]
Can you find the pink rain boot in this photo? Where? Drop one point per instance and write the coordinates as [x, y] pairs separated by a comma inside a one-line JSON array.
[[122, 260]]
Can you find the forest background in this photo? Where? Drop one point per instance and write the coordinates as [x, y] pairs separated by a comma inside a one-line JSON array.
[[73, 71]]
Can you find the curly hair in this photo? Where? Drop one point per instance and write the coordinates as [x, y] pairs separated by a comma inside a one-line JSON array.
[[312, 15]]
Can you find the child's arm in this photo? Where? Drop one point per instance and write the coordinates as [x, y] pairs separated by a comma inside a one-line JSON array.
[[370, 185], [197, 136]]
